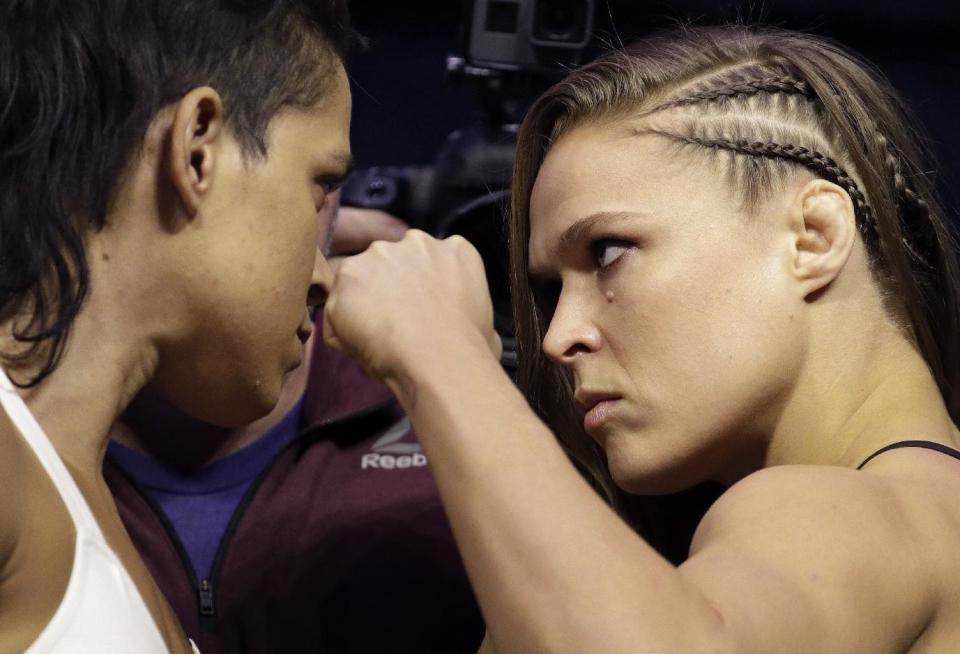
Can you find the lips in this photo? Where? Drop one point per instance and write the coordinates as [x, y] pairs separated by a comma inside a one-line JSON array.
[[304, 332], [305, 329], [595, 407]]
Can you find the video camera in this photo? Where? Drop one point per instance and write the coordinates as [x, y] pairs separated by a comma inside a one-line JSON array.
[[510, 51], [526, 35]]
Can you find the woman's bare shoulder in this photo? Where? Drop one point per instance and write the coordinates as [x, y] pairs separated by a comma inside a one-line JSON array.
[[829, 505], [35, 542], [897, 496], [12, 487], [859, 544]]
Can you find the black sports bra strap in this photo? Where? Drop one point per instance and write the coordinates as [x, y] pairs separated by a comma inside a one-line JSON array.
[[929, 445]]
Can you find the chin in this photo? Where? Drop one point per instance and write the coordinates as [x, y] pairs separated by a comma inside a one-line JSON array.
[[224, 389], [239, 406], [643, 473], [630, 481], [260, 401]]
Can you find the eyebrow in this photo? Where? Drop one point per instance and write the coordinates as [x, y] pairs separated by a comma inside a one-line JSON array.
[[580, 229]]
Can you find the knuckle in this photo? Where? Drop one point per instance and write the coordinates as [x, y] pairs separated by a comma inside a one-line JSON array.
[[457, 241], [381, 249], [467, 248], [344, 269]]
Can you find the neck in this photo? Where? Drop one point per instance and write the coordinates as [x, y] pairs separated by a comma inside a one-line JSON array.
[[152, 427], [846, 407], [113, 348], [104, 364]]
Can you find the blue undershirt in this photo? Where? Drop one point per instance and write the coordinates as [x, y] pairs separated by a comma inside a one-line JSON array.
[[199, 505]]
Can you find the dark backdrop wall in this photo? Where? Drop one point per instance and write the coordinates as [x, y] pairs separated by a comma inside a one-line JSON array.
[[404, 105]]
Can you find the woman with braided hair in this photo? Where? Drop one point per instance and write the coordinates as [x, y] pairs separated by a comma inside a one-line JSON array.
[[726, 257]]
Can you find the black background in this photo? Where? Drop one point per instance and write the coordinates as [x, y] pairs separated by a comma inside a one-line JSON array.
[[405, 105]]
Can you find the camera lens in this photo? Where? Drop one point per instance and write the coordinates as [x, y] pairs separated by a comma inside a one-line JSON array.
[[561, 21]]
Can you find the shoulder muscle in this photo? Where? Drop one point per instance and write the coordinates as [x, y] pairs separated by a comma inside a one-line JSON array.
[[805, 558]]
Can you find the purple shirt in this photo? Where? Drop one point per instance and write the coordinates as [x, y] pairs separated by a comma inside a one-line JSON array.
[[199, 504], [339, 546]]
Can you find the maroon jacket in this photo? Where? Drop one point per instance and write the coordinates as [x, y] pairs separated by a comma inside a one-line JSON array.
[[340, 546]]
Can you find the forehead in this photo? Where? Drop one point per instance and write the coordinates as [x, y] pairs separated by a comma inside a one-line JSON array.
[[323, 128], [606, 168], [337, 103]]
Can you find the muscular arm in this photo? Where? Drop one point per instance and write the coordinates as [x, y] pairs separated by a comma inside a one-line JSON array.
[[553, 568], [789, 560], [780, 564]]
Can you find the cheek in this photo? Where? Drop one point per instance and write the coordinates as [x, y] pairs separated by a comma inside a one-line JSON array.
[[705, 337], [263, 276], [291, 249]]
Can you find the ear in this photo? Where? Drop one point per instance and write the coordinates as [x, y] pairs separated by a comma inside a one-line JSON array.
[[824, 232], [195, 139]]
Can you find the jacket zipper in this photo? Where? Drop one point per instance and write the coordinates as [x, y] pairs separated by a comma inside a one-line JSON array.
[[205, 591], [206, 587], [171, 534]]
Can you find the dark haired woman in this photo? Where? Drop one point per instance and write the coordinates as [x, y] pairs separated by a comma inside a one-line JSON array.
[[724, 242], [158, 224]]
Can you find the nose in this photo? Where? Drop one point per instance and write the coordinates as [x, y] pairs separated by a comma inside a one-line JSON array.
[[327, 220], [320, 281], [571, 332]]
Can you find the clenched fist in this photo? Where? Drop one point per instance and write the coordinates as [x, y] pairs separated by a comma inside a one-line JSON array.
[[417, 301]]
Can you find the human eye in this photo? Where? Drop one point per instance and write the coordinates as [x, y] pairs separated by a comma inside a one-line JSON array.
[[331, 183], [606, 251], [331, 186], [324, 193]]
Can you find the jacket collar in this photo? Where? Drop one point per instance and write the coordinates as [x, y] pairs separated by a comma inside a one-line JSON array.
[[338, 387]]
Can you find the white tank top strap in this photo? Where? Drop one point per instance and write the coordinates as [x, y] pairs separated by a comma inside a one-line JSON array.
[[102, 609], [33, 433]]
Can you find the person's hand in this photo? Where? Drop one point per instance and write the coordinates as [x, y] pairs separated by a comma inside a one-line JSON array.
[[409, 303], [356, 229]]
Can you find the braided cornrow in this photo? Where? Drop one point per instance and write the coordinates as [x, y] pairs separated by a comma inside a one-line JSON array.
[[751, 86], [914, 212], [820, 164], [775, 84]]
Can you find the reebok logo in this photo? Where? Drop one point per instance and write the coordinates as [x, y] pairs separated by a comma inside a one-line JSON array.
[[389, 454]]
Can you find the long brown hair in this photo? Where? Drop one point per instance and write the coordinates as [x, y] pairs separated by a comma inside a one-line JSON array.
[[767, 102]]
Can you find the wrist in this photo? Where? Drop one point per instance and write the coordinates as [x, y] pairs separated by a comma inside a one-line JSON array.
[[444, 360]]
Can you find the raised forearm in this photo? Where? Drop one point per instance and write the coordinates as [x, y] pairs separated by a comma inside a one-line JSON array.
[[554, 569]]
